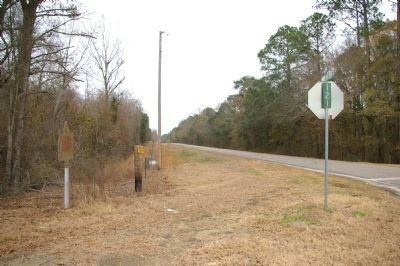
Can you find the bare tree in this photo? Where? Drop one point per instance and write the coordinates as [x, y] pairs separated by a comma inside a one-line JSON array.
[[107, 58], [17, 102], [25, 28]]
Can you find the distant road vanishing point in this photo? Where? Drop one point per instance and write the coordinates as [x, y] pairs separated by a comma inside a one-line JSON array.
[[382, 175]]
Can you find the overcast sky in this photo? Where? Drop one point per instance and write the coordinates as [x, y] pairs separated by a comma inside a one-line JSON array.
[[210, 44]]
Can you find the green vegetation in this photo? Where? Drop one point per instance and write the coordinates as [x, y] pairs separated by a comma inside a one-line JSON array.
[[269, 114], [301, 215], [198, 157], [187, 153], [360, 213], [307, 180], [253, 171]]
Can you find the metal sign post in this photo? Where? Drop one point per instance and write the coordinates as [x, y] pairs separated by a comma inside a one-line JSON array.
[[67, 185], [65, 154], [325, 100], [326, 160]]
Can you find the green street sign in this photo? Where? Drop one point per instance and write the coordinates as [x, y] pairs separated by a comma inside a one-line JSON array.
[[315, 100], [326, 96]]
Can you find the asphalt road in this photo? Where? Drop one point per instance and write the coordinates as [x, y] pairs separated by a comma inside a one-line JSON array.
[[382, 175]]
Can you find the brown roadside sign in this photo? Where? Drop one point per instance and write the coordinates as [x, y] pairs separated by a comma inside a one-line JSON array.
[[65, 145]]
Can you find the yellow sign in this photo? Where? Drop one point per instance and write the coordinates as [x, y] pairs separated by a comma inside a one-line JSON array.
[[140, 149], [65, 145]]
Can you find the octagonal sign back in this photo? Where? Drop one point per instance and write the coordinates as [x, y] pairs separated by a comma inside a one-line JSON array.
[[315, 104]]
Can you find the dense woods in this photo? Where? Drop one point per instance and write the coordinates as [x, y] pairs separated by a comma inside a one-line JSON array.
[[54, 71], [269, 114]]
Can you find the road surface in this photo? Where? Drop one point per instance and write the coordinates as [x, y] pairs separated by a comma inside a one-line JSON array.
[[382, 175]]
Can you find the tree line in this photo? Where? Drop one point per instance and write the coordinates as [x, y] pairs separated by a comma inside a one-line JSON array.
[[269, 114], [53, 69]]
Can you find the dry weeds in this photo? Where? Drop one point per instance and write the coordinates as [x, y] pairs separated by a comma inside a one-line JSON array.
[[206, 209]]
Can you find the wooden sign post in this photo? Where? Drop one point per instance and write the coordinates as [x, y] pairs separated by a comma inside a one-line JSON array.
[[65, 154], [139, 167]]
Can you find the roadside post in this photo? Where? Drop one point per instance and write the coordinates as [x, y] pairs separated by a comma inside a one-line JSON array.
[[139, 167], [325, 100], [65, 154]]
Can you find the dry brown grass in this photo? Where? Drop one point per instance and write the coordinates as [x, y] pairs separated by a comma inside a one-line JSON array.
[[206, 209], [102, 180]]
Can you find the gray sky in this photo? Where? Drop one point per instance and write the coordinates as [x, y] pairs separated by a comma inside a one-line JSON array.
[[210, 44]]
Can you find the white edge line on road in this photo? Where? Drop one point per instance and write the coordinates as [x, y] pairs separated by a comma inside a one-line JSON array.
[[385, 178], [368, 181]]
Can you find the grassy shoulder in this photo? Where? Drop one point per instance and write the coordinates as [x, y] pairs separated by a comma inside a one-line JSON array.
[[276, 216], [207, 209]]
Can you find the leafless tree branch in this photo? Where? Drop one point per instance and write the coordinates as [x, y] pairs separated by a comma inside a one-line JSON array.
[[50, 53]]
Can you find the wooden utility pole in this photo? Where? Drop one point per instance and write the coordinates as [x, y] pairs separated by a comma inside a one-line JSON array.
[[139, 167], [159, 102]]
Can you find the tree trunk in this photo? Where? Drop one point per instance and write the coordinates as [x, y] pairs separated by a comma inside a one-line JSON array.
[[398, 71], [18, 94], [398, 44], [366, 30], [19, 138], [10, 142], [358, 26]]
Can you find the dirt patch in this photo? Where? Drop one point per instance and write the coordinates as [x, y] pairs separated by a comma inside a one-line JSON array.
[[206, 209]]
